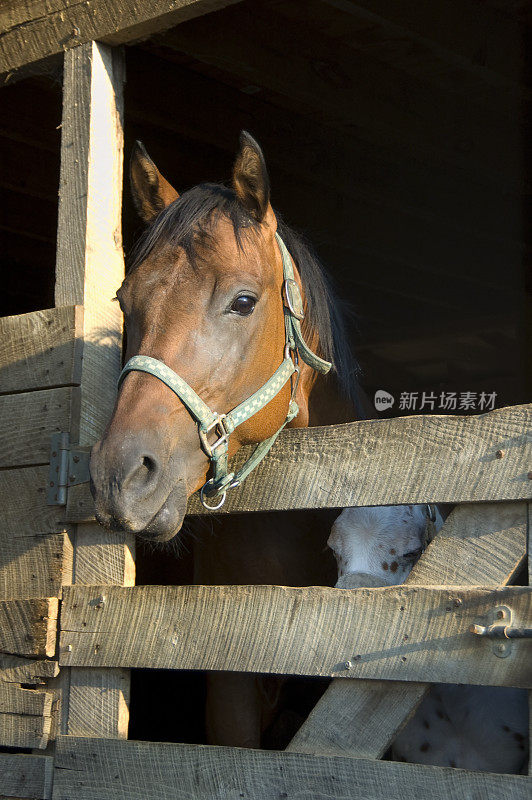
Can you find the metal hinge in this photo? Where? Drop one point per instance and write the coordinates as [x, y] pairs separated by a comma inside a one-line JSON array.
[[69, 465]]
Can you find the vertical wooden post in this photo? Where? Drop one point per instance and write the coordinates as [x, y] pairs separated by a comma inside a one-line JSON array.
[[89, 269], [529, 553]]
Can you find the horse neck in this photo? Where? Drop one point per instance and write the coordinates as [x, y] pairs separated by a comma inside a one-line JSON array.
[[327, 405]]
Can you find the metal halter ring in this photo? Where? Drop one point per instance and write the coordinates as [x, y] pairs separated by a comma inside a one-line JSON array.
[[205, 504]]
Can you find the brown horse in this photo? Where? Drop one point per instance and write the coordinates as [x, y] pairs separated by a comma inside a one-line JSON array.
[[204, 296]]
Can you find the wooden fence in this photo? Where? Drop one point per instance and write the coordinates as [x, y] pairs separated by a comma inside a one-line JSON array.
[[64, 676]]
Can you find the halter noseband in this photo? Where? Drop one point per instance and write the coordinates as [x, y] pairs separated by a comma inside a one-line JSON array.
[[224, 424]]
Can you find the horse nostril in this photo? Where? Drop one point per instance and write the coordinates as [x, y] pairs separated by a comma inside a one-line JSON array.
[[149, 463]]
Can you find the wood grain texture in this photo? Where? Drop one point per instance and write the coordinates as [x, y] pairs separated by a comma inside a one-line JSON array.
[[399, 633], [89, 270], [31, 565], [34, 30], [99, 698], [529, 551], [95, 769], [25, 717], [28, 627], [478, 545], [26, 776], [14, 670], [28, 421], [380, 462], [90, 264], [31, 536], [40, 350]]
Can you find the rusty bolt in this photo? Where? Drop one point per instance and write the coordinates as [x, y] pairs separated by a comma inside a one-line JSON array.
[[457, 602], [75, 459], [499, 454]]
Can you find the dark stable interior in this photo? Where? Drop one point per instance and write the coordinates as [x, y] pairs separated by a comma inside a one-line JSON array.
[[395, 146]]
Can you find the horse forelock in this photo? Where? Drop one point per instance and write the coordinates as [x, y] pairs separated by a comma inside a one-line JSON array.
[[189, 222]]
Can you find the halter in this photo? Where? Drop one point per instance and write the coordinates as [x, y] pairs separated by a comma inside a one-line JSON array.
[[224, 424]]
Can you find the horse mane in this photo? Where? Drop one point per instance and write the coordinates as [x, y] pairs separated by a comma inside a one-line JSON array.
[[188, 222]]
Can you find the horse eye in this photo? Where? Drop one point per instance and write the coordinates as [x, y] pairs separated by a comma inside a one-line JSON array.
[[243, 305]]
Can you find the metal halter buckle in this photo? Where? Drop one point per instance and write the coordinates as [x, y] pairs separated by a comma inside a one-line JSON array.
[[293, 299], [221, 432]]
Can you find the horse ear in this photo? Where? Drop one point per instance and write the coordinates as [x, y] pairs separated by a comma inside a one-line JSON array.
[[250, 177], [151, 192]]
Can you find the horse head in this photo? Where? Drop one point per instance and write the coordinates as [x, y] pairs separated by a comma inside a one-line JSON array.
[[202, 297]]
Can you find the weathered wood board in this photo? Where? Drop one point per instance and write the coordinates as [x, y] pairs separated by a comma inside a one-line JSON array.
[[90, 769], [89, 270], [28, 421], [380, 462], [31, 536], [25, 776], [25, 717], [25, 714], [482, 544], [40, 350], [41, 28], [28, 627], [398, 633], [15, 670]]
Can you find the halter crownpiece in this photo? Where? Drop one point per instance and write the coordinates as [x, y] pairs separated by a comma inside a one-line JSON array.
[[224, 424]]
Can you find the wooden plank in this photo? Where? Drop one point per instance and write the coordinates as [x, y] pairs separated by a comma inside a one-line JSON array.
[[89, 270], [423, 459], [28, 671], [40, 350], [29, 420], [24, 509], [31, 536], [93, 768], [484, 545], [90, 264], [30, 565], [529, 551], [26, 776], [32, 31], [25, 717], [28, 627], [98, 700], [295, 631]]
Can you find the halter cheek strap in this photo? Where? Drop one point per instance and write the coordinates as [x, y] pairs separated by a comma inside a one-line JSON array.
[[223, 425]]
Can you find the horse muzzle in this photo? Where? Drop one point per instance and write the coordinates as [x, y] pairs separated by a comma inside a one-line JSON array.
[[134, 491]]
